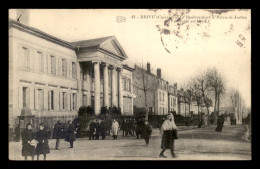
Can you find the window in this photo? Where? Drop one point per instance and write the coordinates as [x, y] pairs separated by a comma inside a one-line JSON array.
[[74, 70], [25, 97], [64, 68], [64, 100], [40, 99], [129, 89], [25, 58], [52, 100], [163, 97], [40, 61], [53, 65], [84, 72], [74, 101], [85, 99], [124, 81]]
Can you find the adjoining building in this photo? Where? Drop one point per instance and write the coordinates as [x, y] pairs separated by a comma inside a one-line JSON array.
[[54, 78], [157, 90]]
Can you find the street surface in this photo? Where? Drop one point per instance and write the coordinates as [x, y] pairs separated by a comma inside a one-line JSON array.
[[193, 144]]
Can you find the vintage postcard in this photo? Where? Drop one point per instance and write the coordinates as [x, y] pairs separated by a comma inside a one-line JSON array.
[[129, 84]]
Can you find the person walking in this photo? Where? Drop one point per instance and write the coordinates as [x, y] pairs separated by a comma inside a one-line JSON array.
[[57, 133], [92, 128], [115, 127], [42, 145], [123, 127], [70, 136], [28, 148], [103, 129], [169, 133], [220, 123], [97, 131], [147, 131]]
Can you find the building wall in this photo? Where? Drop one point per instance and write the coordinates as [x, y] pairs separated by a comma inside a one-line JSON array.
[[127, 87], [32, 78]]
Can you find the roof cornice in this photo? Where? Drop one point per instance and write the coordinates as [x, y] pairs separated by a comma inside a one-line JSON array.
[[38, 33]]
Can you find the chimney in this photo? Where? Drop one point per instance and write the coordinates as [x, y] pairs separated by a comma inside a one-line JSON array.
[[148, 67], [159, 72], [23, 16]]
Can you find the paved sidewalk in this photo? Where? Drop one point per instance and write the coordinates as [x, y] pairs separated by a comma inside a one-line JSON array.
[[193, 144]]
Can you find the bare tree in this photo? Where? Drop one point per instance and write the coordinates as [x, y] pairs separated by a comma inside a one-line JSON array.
[[145, 83], [202, 84], [238, 104], [217, 87]]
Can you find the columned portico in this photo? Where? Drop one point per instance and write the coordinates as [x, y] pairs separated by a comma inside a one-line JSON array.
[[105, 91], [97, 87], [108, 53], [113, 91], [120, 91]]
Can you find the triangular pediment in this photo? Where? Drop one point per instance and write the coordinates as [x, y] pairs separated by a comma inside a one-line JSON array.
[[112, 45]]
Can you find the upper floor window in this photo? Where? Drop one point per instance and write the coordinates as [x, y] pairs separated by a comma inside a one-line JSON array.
[[25, 58], [74, 70], [64, 68], [25, 97], [40, 61], [129, 89], [53, 65], [163, 97]]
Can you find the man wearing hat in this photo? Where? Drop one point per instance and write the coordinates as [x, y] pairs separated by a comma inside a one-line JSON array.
[[147, 131], [71, 137], [57, 133]]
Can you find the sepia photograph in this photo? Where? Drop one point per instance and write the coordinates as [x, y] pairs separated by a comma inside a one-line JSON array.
[[129, 84]]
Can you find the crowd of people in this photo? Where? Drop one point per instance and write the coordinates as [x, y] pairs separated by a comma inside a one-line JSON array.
[[37, 143]]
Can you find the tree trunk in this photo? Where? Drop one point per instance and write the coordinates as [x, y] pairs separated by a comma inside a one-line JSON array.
[[184, 109], [215, 107], [146, 109]]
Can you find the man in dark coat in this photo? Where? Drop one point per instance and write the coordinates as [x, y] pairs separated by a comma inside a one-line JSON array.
[[57, 133], [128, 128], [147, 131], [42, 145], [220, 123], [97, 129], [103, 129], [138, 128], [92, 128], [71, 131], [123, 127]]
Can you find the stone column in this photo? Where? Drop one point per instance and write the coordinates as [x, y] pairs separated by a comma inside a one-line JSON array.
[[97, 87], [105, 91], [120, 91], [114, 86]]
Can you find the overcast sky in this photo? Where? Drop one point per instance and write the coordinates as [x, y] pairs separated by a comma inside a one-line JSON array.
[[220, 40]]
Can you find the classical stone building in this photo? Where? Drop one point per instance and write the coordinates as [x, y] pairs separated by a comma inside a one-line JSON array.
[[54, 78], [157, 91]]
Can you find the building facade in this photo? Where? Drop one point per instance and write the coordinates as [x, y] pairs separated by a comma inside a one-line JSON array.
[[54, 78], [157, 91]]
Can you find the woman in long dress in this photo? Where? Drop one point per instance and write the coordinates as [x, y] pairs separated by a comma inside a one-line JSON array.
[[27, 136], [43, 143], [115, 127], [168, 131]]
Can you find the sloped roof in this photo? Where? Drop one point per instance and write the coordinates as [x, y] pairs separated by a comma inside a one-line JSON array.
[[91, 42]]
